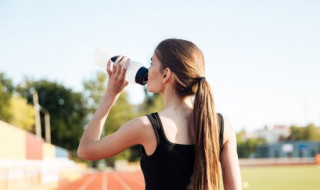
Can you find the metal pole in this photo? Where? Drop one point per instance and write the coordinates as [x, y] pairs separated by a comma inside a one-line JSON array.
[[47, 125], [37, 113]]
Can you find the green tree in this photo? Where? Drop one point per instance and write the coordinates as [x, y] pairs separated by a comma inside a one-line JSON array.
[[22, 113], [6, 91], [246, 147], [13, 108], [307, 133], [93, 90], [296, 133], [241, 136], [152, 103], [311, 133], [67, 110]]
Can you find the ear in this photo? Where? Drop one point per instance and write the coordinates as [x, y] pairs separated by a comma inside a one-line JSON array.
[[166, 75]]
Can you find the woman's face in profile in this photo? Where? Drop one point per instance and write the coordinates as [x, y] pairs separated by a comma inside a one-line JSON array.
[[155, 76]]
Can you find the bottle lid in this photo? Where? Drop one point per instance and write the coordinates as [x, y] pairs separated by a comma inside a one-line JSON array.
[[142, 76]]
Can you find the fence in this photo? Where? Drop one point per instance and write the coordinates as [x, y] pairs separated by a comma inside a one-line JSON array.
[[35, 174], [277, 161]]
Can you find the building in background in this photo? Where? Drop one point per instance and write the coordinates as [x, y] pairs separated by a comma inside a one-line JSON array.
[[271, 133], [295, 149]]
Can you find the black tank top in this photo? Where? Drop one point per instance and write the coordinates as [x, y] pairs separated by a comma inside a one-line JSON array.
[[171, 165]]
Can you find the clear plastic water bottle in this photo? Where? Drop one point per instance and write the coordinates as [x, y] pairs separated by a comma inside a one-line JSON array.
[[136, 72]]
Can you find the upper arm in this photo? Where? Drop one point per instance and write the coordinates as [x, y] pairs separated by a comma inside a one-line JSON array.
[[131, 133], [229, 159]]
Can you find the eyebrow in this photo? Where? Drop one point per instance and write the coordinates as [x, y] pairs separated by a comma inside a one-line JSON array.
[[151, 58]]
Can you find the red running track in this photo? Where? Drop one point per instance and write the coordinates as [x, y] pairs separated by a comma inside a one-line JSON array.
[[107, 181]]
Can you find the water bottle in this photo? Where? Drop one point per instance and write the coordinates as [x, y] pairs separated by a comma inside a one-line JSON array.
[[136, 72]]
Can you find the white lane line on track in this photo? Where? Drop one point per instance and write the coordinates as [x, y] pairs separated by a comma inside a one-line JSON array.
[[135, 181], [122, 183], [104, 181], [87, 182]]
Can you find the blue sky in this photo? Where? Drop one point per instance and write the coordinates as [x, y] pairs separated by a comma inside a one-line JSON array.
[[263, 57]]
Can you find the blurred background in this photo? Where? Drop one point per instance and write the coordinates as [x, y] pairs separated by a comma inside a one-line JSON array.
[[262, 61]]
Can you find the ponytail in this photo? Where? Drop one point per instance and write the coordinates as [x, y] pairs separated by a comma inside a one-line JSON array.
[[206, 169]]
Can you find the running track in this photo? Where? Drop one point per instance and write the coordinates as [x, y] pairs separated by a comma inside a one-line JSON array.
[[107, 181]]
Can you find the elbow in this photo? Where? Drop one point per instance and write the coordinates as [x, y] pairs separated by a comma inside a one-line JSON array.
[[85, 154], [81, 153]]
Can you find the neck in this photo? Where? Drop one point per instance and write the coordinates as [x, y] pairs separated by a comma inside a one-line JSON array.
[[175, 102], [179, 108]]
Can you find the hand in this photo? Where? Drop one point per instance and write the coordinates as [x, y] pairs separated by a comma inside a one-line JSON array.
[[117, 81]]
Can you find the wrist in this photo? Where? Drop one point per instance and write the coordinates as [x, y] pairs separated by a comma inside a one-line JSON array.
[[106, 103], [110, 97]]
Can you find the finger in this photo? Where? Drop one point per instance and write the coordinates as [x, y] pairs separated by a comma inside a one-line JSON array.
[[124, 68], [116, 63], [120, 66], [108, 68], [123, 60], [119, 58]]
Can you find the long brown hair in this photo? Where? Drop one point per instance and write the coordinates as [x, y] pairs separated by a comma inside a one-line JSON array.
[[186, 61]]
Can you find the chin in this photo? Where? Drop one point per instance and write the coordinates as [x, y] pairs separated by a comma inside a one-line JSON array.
[[149, 89]]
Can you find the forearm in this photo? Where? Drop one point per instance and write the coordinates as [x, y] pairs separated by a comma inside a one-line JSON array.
[[90, 143], [94, 128]]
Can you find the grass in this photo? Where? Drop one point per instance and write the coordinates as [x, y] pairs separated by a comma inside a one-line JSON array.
[[281, 177]]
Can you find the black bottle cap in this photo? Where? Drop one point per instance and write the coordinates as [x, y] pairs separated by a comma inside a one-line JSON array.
[[142, 76]]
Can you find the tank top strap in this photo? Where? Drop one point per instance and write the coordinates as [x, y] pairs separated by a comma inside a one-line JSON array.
[[156, 125], [158, 129], [221, 125]]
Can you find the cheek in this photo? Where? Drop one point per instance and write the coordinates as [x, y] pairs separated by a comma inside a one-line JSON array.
[[150, 78], [151, 74], [153, 80]]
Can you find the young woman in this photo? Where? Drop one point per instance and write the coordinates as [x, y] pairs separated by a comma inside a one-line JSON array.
[[182, 144]]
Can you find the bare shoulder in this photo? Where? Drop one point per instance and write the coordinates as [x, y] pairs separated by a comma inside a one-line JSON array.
[[146, 126], [142, 127], [146, 133], [140, 122], [229, 132], [137, 125]]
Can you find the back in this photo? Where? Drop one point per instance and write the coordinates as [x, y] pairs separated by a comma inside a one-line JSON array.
[[171, 165]]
